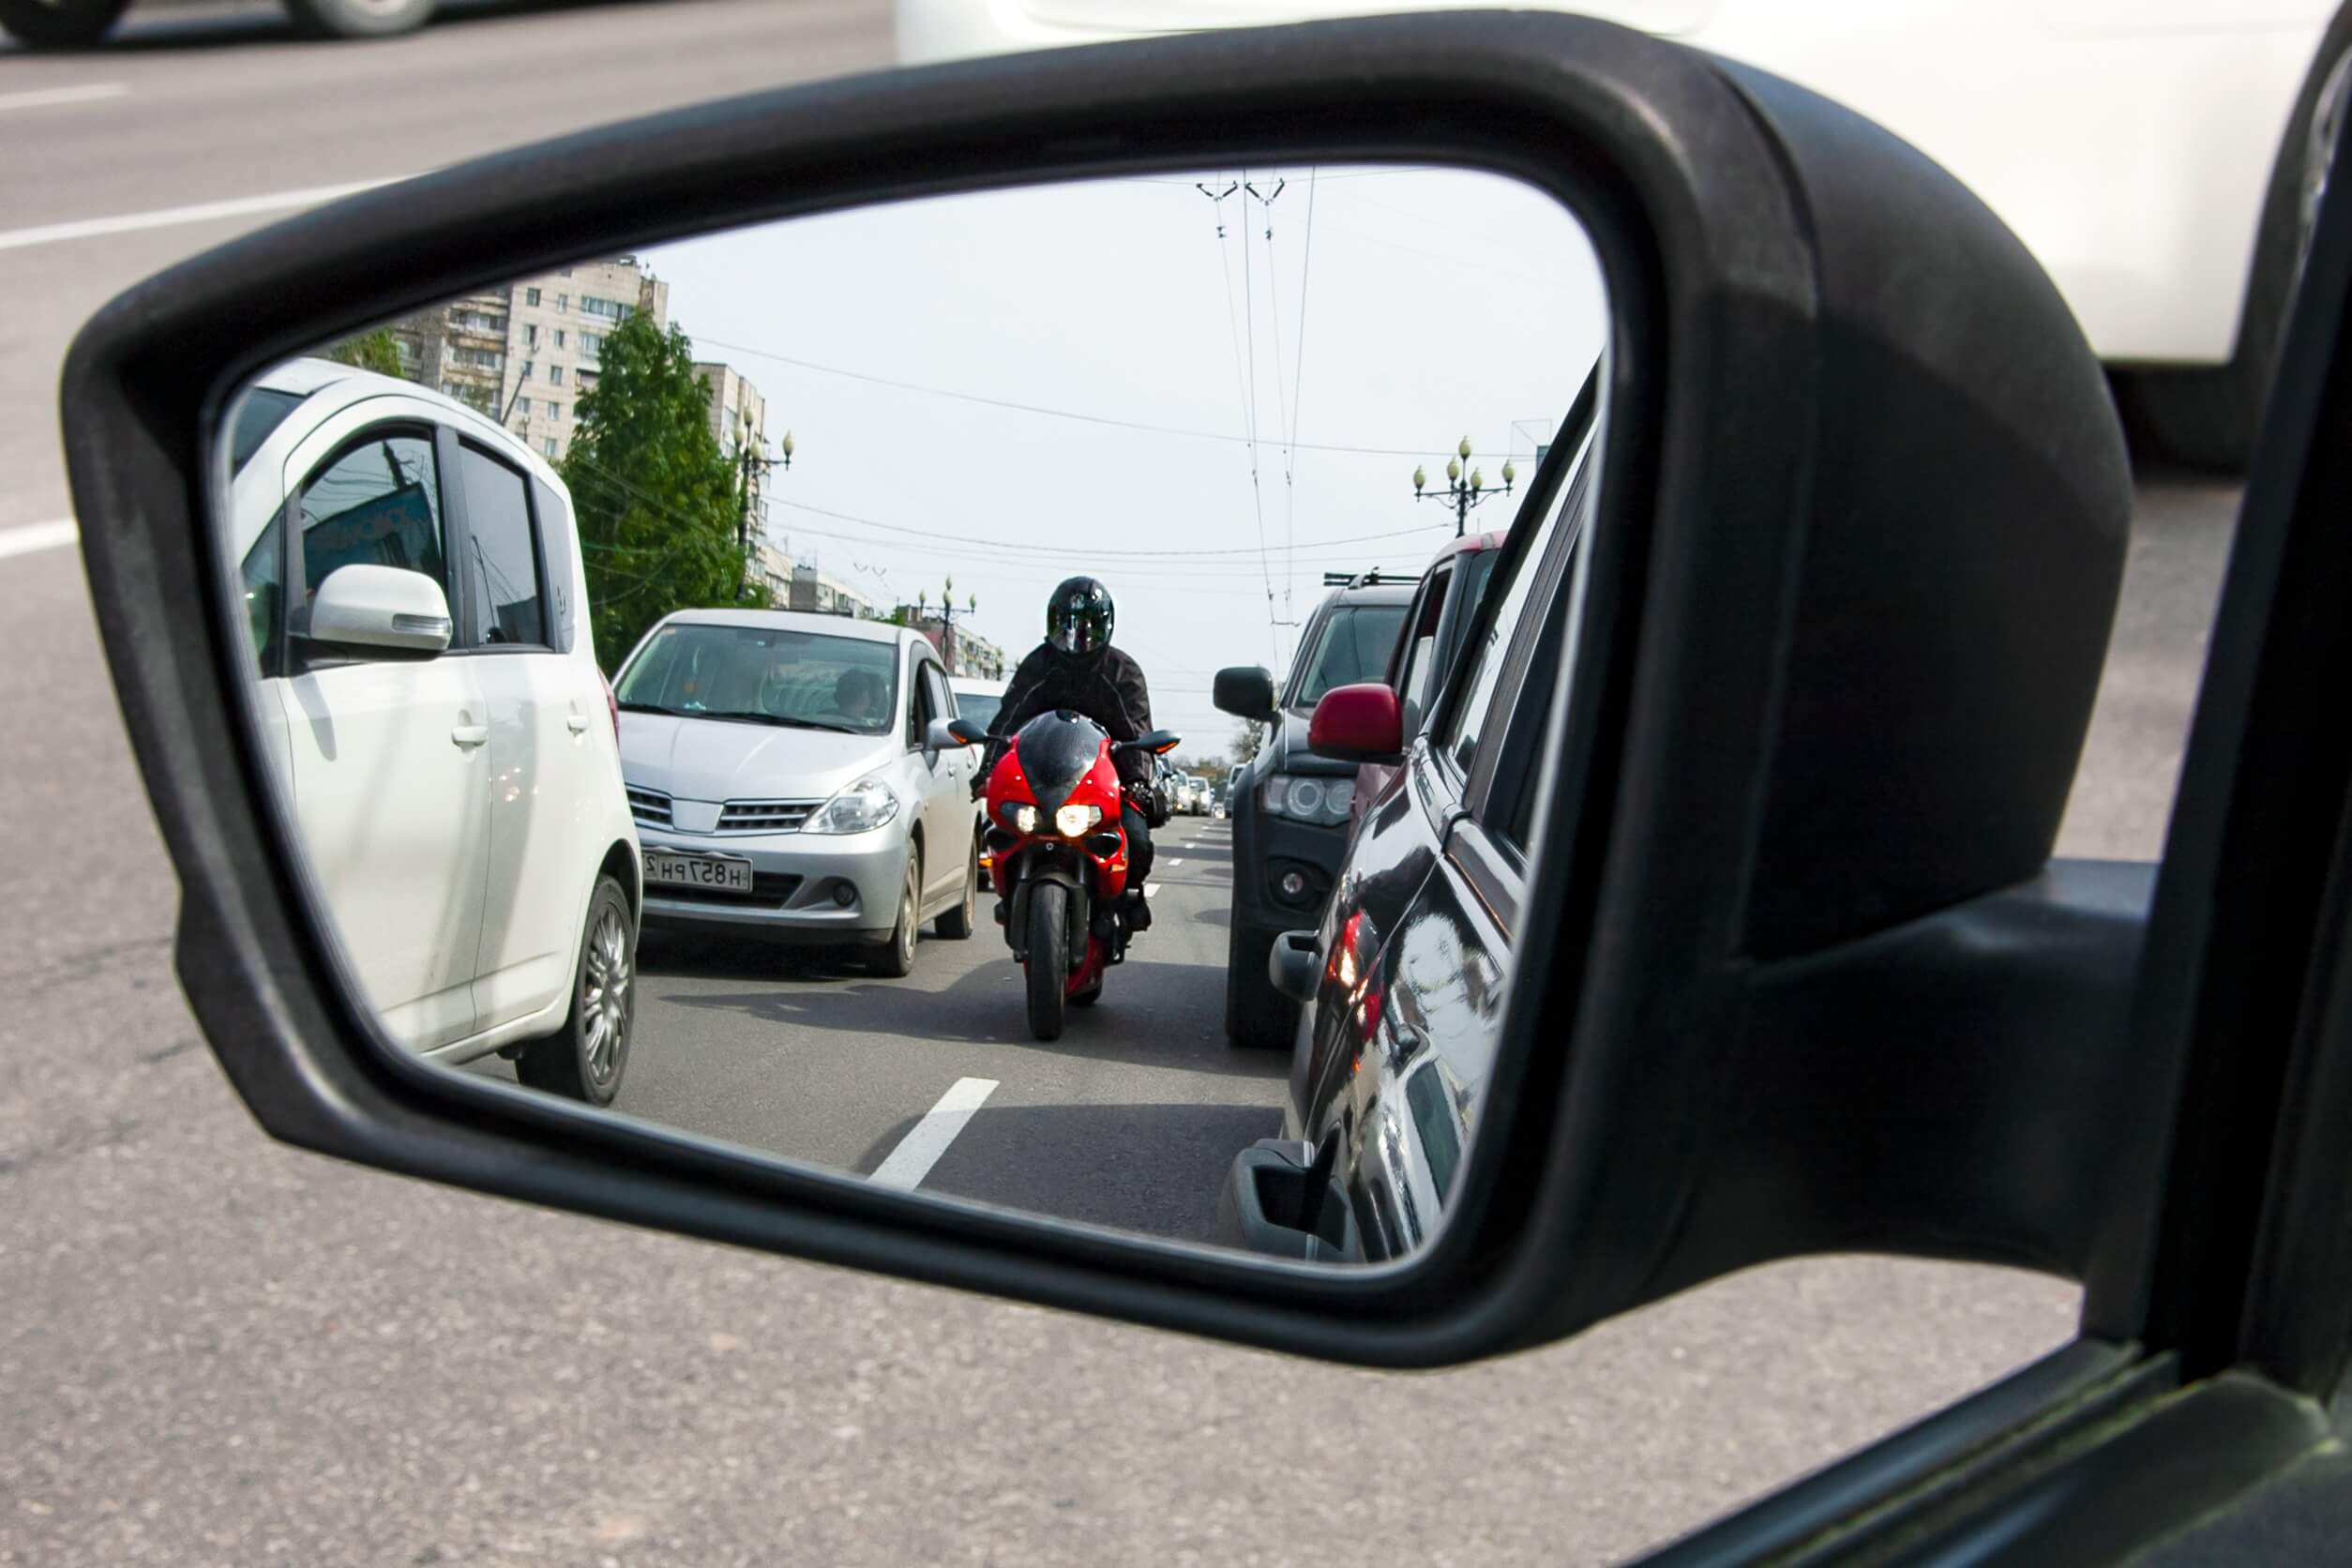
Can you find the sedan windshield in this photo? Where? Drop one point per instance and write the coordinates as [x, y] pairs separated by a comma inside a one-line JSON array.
[[765, 675], [1352, 646]]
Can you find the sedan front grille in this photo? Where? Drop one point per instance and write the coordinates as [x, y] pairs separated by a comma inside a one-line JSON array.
[[649, 807], [764, 816]]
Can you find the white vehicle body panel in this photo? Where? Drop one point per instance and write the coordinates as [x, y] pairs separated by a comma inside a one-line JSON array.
[[2129, 142]]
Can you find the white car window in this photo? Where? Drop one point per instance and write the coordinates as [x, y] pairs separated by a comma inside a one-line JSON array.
[[502, 559]]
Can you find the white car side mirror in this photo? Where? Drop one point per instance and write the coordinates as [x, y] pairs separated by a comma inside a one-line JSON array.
[[381, 607]]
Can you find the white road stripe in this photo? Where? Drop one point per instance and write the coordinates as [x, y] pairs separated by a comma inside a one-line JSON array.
[[46, 97], [928, 1140], [1175, 861], [1151, 890], [35, 535], [164, 218]]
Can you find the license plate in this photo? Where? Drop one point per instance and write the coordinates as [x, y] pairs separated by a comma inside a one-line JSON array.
[[699, 870]]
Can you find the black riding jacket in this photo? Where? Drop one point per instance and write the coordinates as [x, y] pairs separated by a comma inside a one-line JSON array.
[[1107, 687]]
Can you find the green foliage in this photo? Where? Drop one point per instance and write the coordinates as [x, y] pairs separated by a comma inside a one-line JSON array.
[[370, 350], [659, 504]]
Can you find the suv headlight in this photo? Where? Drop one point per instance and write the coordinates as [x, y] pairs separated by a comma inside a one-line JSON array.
[[1322, 802], [863, 806]]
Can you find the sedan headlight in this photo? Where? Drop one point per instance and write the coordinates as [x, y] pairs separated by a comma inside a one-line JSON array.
[[1071, 821], [1322, 802], [863, 806]]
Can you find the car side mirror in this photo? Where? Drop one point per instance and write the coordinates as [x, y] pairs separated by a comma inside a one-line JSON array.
[[1361, 723], [946, 735], [1245, 691], [389, 609], [1779, 950]]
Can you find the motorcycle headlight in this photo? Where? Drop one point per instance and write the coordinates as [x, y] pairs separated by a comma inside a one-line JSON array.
[[863, 806], [1024, 817], [1072, 820], [1322, 802]]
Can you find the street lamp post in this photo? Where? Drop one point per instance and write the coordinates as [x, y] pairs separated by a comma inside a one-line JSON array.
[[947, 613], [1463, 494], [750, 460]]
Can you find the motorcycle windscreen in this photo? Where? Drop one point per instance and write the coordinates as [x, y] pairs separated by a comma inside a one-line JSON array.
[[1057, 750]]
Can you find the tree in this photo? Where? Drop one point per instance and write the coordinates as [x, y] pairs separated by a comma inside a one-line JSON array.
[[376, 350], [1246, 740], [660, 513]]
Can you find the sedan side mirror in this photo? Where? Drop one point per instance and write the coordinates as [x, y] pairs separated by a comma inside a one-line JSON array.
[[1245, 691], [387, 608], [1358, 724]]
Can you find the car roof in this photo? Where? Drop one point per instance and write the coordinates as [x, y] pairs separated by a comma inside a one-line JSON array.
[[978, 685], [1469, 544], [798, 620], [1400, 592]]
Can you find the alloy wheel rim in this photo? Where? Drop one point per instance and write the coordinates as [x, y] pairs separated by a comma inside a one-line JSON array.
[[605, 995], [906, 919]]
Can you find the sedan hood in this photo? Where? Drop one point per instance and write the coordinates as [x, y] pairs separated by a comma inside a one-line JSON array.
[[723, 760], [1286, 750]]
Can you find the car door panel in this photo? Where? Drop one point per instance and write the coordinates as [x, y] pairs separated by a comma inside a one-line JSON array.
[[388, 774], [538, 803]]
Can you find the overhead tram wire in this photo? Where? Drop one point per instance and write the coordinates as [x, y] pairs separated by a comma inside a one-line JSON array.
[[1244, 380]]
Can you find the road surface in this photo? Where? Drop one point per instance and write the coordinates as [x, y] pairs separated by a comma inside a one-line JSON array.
[[220, 1351]]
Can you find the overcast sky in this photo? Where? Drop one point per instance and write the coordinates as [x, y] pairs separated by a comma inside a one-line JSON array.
[[1393, 310]]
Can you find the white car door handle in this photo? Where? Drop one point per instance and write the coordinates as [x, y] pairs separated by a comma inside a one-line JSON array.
[[576, 724], [470, 734]]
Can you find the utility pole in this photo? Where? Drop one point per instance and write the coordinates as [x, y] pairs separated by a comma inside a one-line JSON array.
[[751, 459], [1462, 493]]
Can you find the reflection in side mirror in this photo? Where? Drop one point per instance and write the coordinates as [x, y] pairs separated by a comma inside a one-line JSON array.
[[381, 607], [574, 467], [1359, 724], [1245, 691]]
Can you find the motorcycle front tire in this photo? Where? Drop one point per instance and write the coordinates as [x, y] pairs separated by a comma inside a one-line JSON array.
[[1049, 968]]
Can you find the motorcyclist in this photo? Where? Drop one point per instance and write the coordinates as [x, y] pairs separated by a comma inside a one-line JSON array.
[[1077, 668]]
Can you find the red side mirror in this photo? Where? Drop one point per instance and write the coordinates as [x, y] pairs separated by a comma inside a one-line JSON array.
[[1358, 724]]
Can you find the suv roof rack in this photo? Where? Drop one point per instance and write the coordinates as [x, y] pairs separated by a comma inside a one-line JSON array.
[[1367, 580]]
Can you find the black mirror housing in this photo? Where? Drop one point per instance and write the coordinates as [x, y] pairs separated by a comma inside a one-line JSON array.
[[1245, 691], [1851, 570]]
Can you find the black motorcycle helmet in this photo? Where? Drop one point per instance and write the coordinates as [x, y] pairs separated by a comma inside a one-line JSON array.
[[1079, 617]]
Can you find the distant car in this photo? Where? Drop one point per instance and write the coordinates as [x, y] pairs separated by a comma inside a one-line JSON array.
[[2162, 160], [64, 24], [977, 699], [792, 781], [1402, 979], [437, 721], [1166, 788], [1290, 805]]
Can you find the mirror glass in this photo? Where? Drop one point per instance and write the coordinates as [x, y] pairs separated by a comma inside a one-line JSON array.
[[615, 631]]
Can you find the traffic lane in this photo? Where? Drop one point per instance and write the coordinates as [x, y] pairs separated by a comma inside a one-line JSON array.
[[215, 107], [204, 131], [2121, 802], [1129, 1119]]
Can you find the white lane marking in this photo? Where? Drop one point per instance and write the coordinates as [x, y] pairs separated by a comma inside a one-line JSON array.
[[164, 218], [928, 1140], [1174, 861], [36, 535], [45, 98], [1151, 890]]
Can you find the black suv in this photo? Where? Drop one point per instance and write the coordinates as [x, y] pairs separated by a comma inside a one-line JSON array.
[[1289, 805], [1403, 978]]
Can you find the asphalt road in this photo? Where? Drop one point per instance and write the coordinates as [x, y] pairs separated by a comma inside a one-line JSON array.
[[1129, 1120], [219, 1351]]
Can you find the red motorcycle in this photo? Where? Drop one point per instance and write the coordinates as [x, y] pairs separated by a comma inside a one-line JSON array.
[[1060, 855]]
